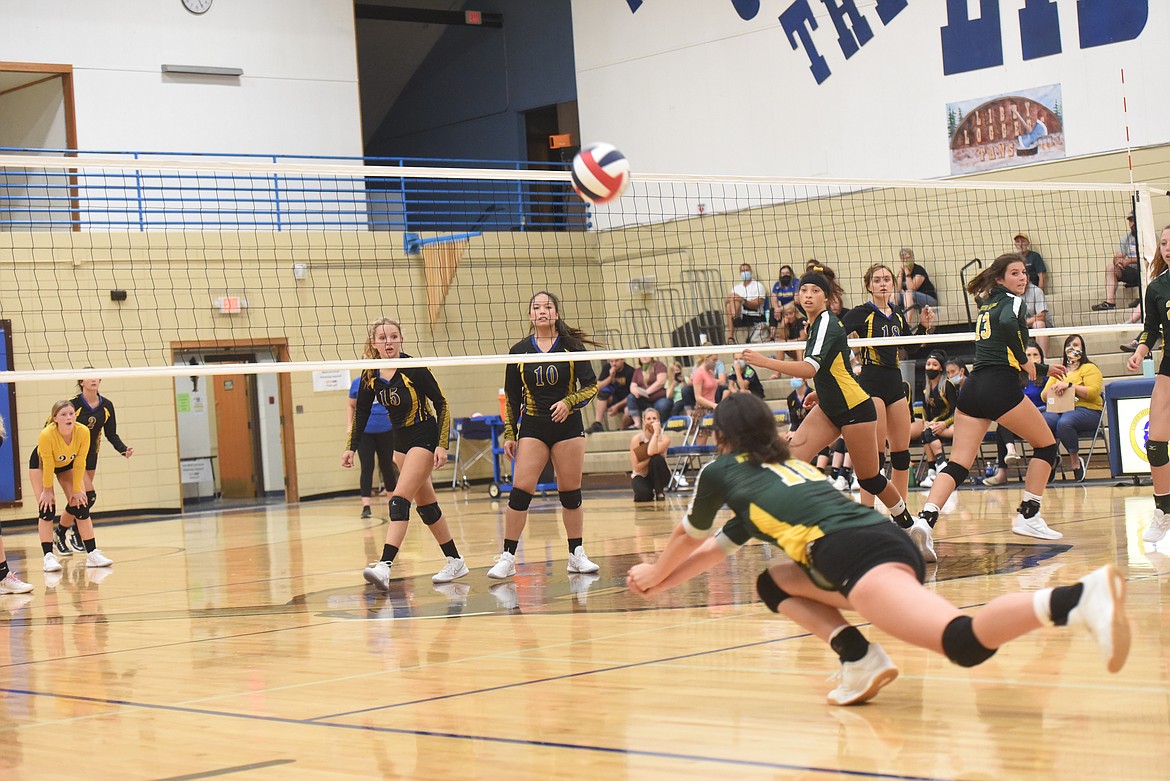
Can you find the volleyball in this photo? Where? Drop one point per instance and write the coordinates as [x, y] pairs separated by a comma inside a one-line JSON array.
[[600, 173]]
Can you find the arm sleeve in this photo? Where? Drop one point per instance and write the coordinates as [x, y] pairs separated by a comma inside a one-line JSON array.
[[45, 454], [1017, 320], [1152, 328], [111, 429], [853, 320], [586, 385], [430, 388], [514, 393], [705, 503], [361, 413]]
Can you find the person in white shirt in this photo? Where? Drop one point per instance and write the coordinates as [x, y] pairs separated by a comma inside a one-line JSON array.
[[1037, 314], [746, 303]]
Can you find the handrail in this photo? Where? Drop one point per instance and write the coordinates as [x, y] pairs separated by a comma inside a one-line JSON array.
[[963, 285]]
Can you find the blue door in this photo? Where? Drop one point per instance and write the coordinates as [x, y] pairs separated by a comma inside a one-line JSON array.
[[9, 477]]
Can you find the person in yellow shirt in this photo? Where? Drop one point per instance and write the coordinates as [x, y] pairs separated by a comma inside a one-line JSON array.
[[61, 447], [1085, 381]]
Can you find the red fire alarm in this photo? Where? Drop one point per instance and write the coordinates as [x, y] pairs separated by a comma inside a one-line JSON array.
[[473, 17]]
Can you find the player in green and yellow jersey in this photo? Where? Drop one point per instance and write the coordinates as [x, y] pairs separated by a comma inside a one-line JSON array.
[[843, 556]]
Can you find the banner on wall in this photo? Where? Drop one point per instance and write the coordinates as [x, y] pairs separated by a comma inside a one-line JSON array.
[[1006, 130]]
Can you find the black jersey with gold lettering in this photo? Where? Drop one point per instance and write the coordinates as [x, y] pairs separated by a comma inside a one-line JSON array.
[[98, 420], [404, 395], [869, 322], [533, 388]]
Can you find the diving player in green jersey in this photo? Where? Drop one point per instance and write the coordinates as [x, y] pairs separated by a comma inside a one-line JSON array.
[[842, 406], [994, 392], [1157, 325], [843, 556]]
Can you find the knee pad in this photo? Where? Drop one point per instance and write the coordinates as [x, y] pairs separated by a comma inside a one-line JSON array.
[[519, 499], [399, 508], [1046, 454], [900, 460], [1158, 452], [90, 498], [839, 446], [927, 436], [80, 513], [49, 515], [430, 513], [957, 472], [875, 485], [772, 594], [570, 500], [961, 646]]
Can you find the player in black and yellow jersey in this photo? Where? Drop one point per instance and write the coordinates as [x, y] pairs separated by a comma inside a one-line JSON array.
[[843, 407], [940, 398], [96, 413], [61, 450], [543, 420], [880, 376], [9, 582], [994, 392], [1157, 325], [842, 556], [421, 421]]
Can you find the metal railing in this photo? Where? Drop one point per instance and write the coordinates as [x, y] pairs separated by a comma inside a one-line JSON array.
[[135, 199]]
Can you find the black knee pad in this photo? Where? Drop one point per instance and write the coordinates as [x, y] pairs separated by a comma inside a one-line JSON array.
[[928, 436], [1047, 454], [49, 515], [772, 594], [399, 508], [875, 485], [961, 646], [80, 513], [957, 472], [90, 498], [900, 460], [430, 513], [839, 446], [570, 500], [1158, 452], [519, 499]]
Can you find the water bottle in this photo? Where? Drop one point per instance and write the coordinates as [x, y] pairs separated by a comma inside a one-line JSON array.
[[1148, 367]]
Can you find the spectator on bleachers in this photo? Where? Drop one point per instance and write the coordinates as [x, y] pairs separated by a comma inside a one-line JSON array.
[[1135, 316], [1123, 268], [1005, 440], [650, 472], [704, 384], [746, 305], [678, 390], [1036, 313], [1085, 381], [939, 399], [783, 291], [746, 378], [789, 327], [796, 409], [1033, 262], [957, 372], [648, 389], [612, 395], [917, 289]]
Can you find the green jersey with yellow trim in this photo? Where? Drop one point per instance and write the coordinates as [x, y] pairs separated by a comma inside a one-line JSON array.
[[1157, 322], [789, 505], [827, 349], [1001, 331]]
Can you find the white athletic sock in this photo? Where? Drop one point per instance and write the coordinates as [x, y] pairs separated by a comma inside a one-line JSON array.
[[1042, 606]]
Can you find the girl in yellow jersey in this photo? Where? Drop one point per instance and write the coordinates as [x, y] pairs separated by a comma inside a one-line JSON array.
[[62, 447], [9, 583]]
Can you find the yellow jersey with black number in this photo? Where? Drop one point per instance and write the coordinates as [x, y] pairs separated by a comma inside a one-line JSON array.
[[55, 453], [827, 350]]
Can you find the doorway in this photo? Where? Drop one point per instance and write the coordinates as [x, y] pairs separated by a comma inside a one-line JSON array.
[[554, 207], [235, 433]]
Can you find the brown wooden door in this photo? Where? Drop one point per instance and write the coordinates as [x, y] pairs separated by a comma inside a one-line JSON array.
[[234, 426]]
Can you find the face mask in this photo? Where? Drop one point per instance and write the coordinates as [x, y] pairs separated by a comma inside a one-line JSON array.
[[933, 373], [957, 380], [745, 276], [797, 383], [1073, 352], [786, 280]]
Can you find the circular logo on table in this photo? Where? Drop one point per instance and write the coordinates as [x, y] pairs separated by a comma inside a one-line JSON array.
[[1139, 433]]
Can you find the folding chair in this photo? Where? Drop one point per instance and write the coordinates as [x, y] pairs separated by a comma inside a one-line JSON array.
[[689, 451], [474, 430]]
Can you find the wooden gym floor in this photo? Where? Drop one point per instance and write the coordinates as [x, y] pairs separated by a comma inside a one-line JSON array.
[[245, 644]]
